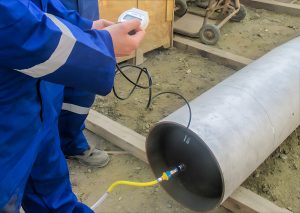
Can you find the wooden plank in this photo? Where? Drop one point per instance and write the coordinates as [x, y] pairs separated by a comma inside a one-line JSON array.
[[220, 56], [170, 18], [139, 57], [117, 134], [158, 31], [242, 200], [170, 10], [287, 1], [111, 10], [279, 7]]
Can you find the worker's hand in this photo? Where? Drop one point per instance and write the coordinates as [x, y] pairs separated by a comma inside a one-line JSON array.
[[125, 44], [101, 23]]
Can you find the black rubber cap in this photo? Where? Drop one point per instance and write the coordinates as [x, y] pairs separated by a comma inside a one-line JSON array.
[[200, 186]]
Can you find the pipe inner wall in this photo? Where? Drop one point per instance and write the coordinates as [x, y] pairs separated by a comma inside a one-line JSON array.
[[235, 126]]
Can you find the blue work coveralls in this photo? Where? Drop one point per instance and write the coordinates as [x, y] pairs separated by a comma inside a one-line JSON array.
[[77, 102], [43, 46]]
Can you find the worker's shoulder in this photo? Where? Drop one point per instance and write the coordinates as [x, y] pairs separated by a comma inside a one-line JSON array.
[[12, 11]]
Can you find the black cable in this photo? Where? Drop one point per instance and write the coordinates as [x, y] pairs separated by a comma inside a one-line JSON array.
[[136, 83], [149, 87], [175, 93]]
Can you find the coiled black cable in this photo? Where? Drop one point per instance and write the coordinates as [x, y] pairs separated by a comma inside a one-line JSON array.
[[136, 83], [149, 87]]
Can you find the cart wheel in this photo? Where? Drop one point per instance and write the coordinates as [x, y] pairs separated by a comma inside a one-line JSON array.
[[240, 15], [182, 5], [209, 34]]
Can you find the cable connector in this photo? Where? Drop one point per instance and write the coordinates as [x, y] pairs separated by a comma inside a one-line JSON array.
[[169, 174]]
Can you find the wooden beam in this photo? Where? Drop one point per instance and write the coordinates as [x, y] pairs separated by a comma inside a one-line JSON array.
[[279, 7], [117, 134], [139, 57], [220, 56], [245, 201], [242, 200]]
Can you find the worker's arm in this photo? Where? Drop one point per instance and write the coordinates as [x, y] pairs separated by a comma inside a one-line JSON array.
[[57, 8], [43, 46]]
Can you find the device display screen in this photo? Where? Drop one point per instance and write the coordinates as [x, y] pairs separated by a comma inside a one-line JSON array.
[[129, 17]]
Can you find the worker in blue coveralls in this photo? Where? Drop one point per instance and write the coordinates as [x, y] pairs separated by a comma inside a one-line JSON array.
[[44, 46], [77, 103]]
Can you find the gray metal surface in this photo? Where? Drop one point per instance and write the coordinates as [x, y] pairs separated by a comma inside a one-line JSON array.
[[238, 124]]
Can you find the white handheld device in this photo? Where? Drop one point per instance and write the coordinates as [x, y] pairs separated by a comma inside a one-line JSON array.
[[135, 13]]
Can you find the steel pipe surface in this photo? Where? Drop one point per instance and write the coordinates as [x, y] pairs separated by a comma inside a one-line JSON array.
[[235, 126]]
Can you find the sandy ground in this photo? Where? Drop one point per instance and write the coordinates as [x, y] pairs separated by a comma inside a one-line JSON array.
[[174, 70], [278, 178], [258, 33]]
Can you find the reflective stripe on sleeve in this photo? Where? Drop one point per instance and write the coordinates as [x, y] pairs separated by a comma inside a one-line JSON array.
[[59, 56], [76, 109]]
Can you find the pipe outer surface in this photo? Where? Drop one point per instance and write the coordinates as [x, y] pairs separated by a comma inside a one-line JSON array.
[[243, 119]]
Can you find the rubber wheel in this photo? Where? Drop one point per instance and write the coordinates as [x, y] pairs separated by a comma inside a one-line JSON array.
[[209, 34], [240, 15], [182, 5]]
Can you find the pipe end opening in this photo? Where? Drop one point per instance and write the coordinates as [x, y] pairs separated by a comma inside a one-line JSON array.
[[200, 186]]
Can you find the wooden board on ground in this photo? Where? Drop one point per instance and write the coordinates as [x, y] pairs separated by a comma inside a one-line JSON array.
[[220, 56], [286, 1], [242, 200], [117, 134], [279, 7]]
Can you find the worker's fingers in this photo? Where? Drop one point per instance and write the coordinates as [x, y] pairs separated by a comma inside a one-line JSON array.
[[107, 22], [137, 38], [138, 29], [101, 24], [126, 37], [131, 25]]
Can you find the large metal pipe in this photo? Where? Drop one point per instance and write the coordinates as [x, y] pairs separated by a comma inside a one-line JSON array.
[[235, 126]]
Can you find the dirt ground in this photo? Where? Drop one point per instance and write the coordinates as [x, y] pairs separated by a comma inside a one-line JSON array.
[[190, 75], [258, 33], [278, 178]]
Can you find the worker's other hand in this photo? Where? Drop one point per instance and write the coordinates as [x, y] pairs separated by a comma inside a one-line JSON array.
[[101, 24], [125, 44]]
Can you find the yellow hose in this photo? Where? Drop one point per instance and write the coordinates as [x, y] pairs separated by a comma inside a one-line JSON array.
[[138, 184], [129, 183], [165, 177]]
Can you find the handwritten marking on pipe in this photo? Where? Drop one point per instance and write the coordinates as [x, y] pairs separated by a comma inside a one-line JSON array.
[[187, 139]]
